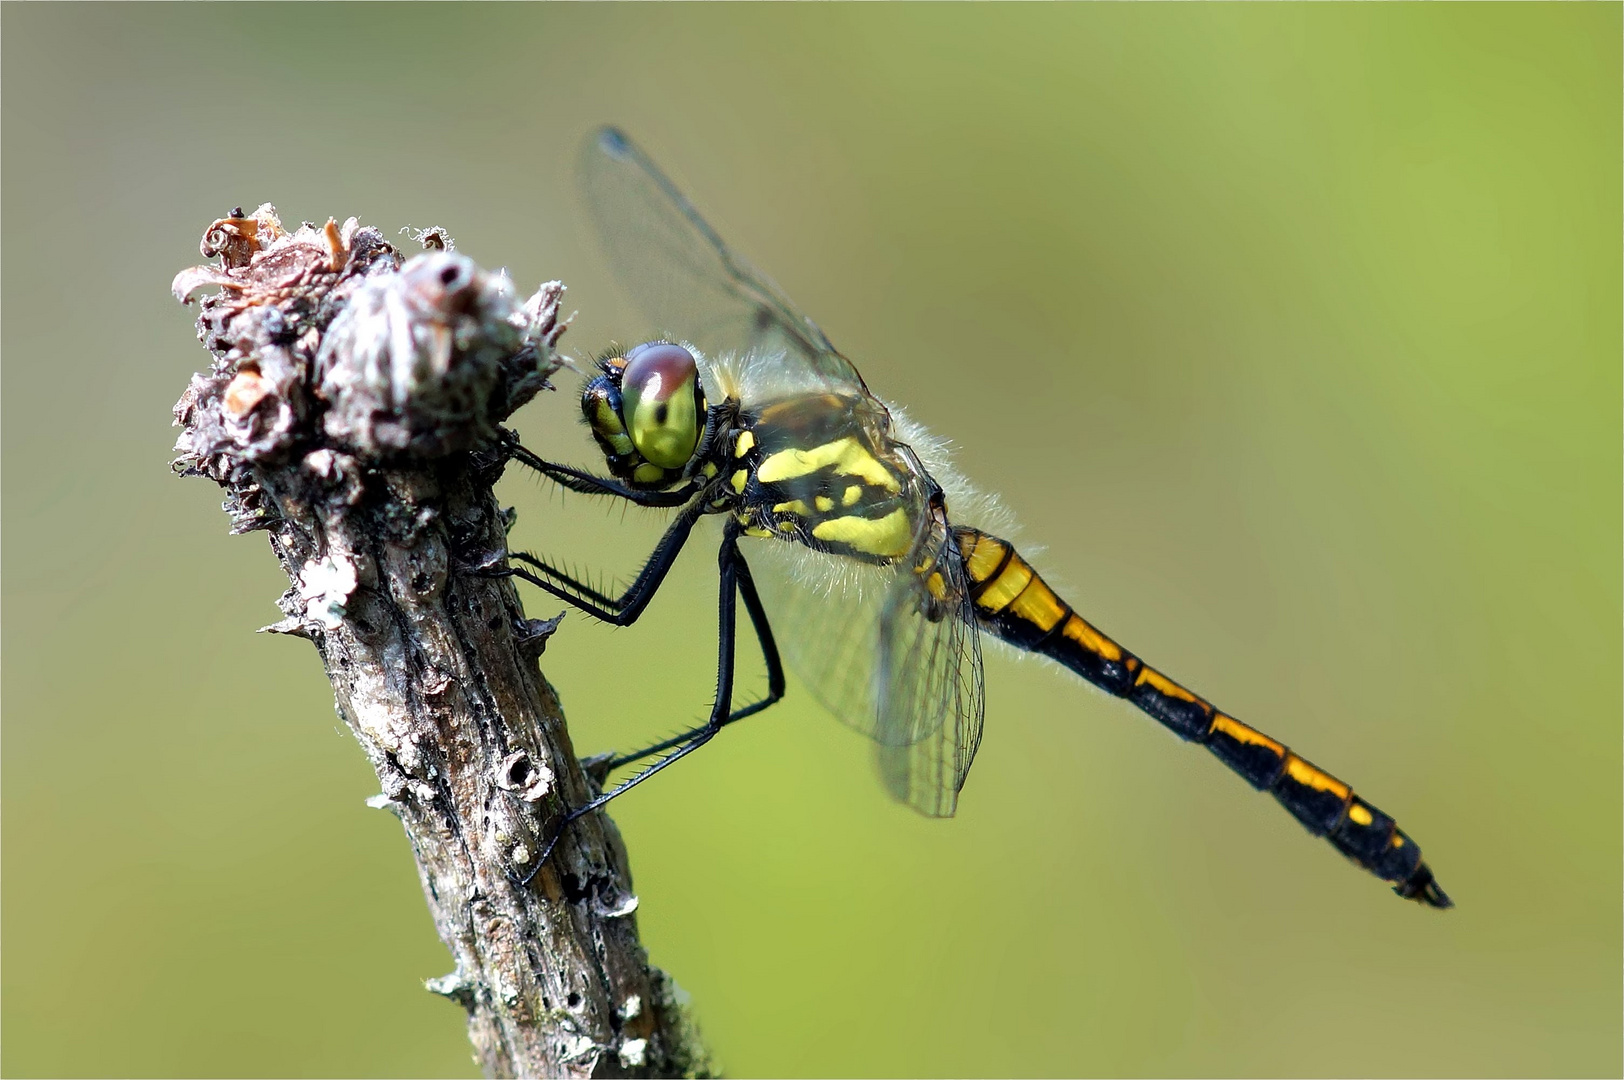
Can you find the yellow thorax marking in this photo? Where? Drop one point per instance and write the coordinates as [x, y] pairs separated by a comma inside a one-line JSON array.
[[794, 506], [847, 455], [742, 445], [888, 536], [823, 503], [739, 479]]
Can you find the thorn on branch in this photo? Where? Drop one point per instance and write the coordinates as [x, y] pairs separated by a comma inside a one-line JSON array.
[[453, 986], [530, 637]]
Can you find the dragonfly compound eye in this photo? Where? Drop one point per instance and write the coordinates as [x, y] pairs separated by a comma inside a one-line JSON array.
[[660, 403]]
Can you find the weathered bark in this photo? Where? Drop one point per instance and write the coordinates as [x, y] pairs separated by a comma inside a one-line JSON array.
[[352, 412]]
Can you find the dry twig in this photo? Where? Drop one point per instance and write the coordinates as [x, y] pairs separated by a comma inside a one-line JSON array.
[[351, 412]]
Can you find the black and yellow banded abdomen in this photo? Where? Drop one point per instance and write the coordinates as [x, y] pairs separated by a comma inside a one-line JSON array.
[[1013, 602]]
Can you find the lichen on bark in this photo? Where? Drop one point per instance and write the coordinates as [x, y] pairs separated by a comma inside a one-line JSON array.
[[352, 411]]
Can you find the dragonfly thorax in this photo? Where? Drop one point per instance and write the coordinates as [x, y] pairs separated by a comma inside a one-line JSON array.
[[824, 471]]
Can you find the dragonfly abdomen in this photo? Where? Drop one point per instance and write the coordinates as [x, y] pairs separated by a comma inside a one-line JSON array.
[[1013, 602]]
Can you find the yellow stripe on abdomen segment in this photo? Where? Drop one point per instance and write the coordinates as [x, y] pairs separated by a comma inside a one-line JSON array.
[[1013, 602], [1327, 807]]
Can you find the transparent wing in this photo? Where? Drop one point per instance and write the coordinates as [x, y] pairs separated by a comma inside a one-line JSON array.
[[680, 273], [931, 671], [858, 637]]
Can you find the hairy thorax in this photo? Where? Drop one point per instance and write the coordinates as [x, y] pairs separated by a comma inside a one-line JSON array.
[[824, 471]]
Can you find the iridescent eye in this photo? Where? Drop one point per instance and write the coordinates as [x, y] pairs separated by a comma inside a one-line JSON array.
[[659, 393]]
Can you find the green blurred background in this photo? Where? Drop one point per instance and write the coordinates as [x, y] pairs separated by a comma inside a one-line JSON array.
[[1291, 332]]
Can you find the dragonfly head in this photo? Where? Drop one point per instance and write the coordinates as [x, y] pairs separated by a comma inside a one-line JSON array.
[[647, 410]]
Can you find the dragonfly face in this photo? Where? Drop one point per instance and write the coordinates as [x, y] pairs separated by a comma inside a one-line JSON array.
[[647, 411], [850, 541]]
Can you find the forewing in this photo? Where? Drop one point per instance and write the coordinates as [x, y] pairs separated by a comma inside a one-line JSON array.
[[680, 273]]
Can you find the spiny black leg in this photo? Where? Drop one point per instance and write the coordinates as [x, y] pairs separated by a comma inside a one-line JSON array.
[[562, 579], [587, 484], [764, 635], [769, 653], [720, 709], [624, 609]]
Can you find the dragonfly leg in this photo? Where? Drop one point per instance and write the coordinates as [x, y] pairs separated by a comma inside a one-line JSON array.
[[622, 610], [769, 653], [588, 484], [721, 709]]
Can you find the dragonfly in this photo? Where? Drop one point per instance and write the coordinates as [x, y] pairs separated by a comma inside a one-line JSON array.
[[860, 555]]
